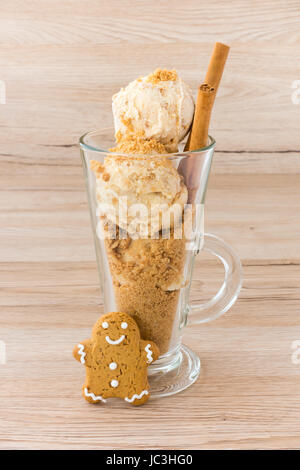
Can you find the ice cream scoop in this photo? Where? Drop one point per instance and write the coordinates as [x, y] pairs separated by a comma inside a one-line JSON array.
[[159, 105], [140, 195]]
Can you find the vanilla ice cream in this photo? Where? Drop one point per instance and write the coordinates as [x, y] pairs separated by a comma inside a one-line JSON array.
[[159, 105], [140, 195]]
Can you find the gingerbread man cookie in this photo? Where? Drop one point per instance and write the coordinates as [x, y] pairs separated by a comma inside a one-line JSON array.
[[116, 360]]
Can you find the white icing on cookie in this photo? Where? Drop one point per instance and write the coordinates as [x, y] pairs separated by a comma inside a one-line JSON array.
[[114, 383], [81, 353], [113, 365], [135, 396], [124, 325], [99, 398], [105, 325], [117, 341], [149, 353]]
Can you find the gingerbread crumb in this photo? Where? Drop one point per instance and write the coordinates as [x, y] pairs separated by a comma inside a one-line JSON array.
[[162, 75], [154, 267], [139, 145], [127, 123], [106, 177], [96, 167], [118, 136]]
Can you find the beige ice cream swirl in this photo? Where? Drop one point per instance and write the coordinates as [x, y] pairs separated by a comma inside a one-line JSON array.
[[160, 105], [140, 195]]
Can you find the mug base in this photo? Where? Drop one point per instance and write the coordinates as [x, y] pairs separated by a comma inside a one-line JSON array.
[[175, 376]]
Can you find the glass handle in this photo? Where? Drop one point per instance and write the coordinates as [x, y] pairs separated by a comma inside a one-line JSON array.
[[227, 295]]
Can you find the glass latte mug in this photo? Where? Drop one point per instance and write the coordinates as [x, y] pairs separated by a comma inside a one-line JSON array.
[[146, 247]]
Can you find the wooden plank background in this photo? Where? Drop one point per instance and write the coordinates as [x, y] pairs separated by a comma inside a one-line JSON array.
[[61, 62]]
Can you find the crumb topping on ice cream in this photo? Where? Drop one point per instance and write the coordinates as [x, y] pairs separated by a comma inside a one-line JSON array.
[[162, 75], [137, 144]]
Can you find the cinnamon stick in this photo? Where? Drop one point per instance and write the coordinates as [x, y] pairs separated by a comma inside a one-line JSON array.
[[213, 77], [216, 65], [205, 101], [190, 168]]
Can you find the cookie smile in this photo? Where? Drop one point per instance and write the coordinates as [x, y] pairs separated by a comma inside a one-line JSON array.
[[117, 341]]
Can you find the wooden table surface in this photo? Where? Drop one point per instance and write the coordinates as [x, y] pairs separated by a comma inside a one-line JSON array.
[[61, 62]]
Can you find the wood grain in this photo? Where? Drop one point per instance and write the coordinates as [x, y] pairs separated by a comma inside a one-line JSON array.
[[61, 62]]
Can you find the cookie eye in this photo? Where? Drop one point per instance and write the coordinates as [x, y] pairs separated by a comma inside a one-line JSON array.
[[105, 325], [124, 325]]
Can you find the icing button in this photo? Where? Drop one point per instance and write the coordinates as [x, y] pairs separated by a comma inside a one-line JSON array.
[[113, 365], [114, 383]]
